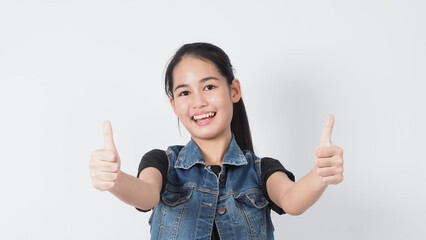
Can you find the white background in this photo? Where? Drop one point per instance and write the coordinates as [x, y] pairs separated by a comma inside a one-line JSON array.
[[66, 66]]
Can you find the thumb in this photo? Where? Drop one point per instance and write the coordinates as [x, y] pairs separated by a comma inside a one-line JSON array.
[[109, 140], [326, 131]]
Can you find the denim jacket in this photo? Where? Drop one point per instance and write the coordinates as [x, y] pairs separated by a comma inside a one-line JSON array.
[[194, 197]]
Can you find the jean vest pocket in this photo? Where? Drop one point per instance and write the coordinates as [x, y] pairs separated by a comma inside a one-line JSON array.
[[176, 196], [172, 209], [252, 207]]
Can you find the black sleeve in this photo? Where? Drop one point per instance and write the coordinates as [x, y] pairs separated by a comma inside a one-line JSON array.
[[158, 159], [268, 167]]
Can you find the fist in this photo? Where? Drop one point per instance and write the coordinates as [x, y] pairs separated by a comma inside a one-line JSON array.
[[105, 163], [328, 157]]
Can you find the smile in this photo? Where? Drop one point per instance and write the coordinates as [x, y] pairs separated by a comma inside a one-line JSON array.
[[206, 115], [203, 119]]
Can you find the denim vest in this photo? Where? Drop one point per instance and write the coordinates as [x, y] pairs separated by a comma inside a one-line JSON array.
[[194, 197]]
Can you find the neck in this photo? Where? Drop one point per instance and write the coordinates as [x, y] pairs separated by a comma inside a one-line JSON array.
[[214, 150]]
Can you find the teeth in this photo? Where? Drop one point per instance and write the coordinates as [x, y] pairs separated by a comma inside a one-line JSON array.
[[210, 114]]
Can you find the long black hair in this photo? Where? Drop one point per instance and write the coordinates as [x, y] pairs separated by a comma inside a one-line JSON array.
[[239, 124]]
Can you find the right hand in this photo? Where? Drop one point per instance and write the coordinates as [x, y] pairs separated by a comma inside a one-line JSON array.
[[105, 163], [329, 157]]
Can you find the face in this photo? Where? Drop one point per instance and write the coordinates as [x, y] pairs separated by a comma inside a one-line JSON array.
[[203, 100]]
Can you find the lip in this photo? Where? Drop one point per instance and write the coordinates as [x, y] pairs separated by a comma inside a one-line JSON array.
[[201, 113], [203, 123]]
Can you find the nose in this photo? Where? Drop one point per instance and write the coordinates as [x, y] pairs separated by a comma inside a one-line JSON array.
[[198, 101]]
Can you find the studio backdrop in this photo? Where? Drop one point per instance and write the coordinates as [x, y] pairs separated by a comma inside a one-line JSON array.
[[67, 66]]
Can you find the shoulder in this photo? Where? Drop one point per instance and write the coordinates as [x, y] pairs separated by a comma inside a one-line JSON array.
[[271, 165], [154, 153], [250, 156], [268, 162], [174, 150], [161, 154], [264, 162]]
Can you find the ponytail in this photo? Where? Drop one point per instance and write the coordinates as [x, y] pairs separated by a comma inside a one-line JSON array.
[[240, 127]]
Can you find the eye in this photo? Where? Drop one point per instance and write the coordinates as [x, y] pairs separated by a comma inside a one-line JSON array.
[[184, 93], [209, 87]]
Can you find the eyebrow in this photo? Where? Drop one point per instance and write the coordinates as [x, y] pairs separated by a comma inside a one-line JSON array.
[[201, 81]]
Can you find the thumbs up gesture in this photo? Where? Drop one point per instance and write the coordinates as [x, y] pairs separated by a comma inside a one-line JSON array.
[[328, 157], [105, 163]]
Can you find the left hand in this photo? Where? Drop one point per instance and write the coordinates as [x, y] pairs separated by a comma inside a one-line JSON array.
[[328, 157]]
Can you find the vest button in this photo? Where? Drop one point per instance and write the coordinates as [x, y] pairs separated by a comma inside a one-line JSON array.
[[222, 178], [252, 200], [221, 210]]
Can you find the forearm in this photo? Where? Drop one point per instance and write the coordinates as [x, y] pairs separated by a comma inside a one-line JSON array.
[[136, 192], [303, 194]]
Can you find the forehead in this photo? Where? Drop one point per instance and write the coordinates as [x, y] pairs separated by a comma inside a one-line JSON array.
[[193, 69]]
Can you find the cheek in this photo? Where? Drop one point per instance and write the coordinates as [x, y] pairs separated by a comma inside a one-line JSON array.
[[223, 103], [180, 108]]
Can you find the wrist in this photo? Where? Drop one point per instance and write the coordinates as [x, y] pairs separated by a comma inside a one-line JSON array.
[[120, 176], [319, 181]]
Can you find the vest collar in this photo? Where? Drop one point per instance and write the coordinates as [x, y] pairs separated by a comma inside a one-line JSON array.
[[191, 155]]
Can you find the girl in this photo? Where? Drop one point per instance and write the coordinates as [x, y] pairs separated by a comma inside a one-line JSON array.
[[215, 187]]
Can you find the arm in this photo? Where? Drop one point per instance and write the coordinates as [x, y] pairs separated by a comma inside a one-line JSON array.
[[296, 198], [142, 192]]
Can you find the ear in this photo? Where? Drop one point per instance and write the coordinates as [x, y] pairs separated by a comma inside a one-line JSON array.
[[172, 102], [235, 90]]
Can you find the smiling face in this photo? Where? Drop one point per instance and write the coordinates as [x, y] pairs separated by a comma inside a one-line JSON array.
[[203, 100]]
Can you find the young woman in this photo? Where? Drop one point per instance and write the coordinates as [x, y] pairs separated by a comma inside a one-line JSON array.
[[215, 187]]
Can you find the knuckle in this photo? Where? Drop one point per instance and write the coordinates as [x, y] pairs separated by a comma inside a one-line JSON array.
[[316, 159], [95, 185], [114, 176], [109, 185], [339, 150], [109, 176], [113, 155], [104, 186], [115, 167], [93, 164], [317, 153], [337, 161]]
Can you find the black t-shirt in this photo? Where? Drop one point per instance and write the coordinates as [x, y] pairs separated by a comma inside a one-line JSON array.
[[158, 158]]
